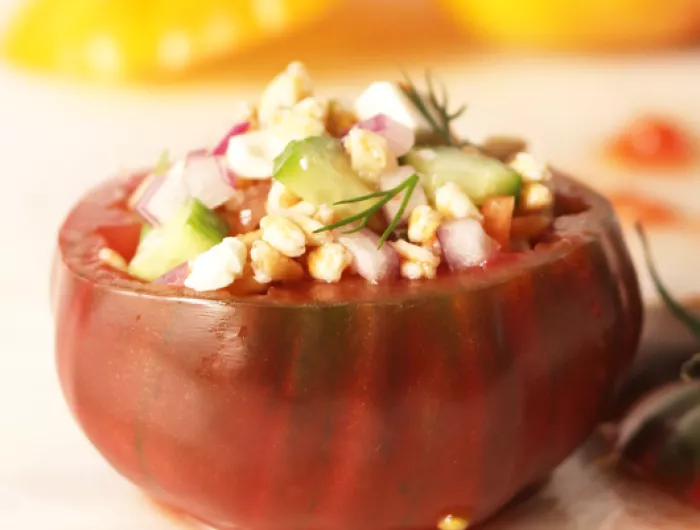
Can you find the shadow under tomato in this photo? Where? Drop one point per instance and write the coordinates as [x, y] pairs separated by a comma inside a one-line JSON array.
[[530, 510]]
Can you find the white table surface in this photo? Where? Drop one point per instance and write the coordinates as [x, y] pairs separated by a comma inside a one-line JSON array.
[[56, 140]]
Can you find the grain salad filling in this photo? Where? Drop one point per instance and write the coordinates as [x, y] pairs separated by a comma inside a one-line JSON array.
[[308, 187]]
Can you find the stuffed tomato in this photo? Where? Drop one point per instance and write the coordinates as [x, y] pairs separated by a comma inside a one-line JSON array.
[[293, 331]]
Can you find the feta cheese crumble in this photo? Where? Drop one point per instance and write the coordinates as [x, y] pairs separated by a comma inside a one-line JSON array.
[[218, 267], [285, 90], [284, 235], [387, 98], [270, 265], [252, 155], [113, 259], [453, 203], [370, 154], [327, 262], [530, 168]]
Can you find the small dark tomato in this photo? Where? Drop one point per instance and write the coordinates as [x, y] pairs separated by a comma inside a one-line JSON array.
[[660, 440]]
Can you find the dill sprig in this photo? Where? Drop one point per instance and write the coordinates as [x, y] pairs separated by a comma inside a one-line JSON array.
[[407, 186], [433, 108]]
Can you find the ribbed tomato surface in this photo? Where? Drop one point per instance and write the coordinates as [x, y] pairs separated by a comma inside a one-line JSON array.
[[346, 407]]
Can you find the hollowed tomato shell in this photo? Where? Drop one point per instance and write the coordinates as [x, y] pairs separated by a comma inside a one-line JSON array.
[[346, 407]]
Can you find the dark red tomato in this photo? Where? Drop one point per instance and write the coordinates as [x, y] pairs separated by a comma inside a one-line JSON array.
[[660, 440], [651, 141], [349, 406]]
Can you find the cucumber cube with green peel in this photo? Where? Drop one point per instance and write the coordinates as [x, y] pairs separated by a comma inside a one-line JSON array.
[[478, 175], [318, 170], [193, 230]]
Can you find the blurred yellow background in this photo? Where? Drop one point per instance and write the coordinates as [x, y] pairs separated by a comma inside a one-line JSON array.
[[159, 40]]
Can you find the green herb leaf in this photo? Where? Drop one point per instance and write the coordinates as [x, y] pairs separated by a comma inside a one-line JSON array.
[[681, 313], [433, 109], [409, 185]]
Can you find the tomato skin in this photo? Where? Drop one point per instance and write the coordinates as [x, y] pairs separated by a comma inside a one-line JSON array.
[[659, 440], [349, 407]]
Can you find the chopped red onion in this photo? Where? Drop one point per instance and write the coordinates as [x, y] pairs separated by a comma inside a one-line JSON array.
[[239, 128], [393, 179], [163, 197], [207, 179], [399, 137], [140, 191], [372, 263], [200, 175], [465, 243], [176, 276]]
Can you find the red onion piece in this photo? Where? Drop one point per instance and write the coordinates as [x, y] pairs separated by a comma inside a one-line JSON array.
[[140, 191], [399, 137], [162, 198], [239, 128], [465, 243], [207, 179], [393, 179], [176, 276], [372, 263]]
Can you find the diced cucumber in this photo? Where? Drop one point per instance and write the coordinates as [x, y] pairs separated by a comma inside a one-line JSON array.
[[478, 175], [193, 230], [318, 170]]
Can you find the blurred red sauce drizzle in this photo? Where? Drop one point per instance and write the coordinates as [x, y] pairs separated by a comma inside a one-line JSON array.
[[650, 142], [633, 206]]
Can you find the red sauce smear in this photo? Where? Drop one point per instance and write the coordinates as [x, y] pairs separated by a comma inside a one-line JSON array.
[[653, 142], [633, 206]]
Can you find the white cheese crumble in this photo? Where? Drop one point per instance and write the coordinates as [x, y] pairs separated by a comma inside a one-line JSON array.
[[218, 267], [370, 154], [535, 197], [453, 203], [270, 265], [306, 118], [530, 168], [410, 252], [113, 259], [423, 224], [285, 90], [284, 235], [252, 155], [387, 98], [279, 198], [416, 270], [327, 262]]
